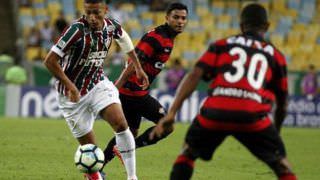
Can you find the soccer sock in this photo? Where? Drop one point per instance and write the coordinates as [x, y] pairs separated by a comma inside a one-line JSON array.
[[108, 151], [126, 145], [143, 139], [182, 168], [288, 176]]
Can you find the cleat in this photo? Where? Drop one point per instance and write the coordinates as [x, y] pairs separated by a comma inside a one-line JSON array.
[[117, 153], [93, 176], [133, 178], [103, 175]]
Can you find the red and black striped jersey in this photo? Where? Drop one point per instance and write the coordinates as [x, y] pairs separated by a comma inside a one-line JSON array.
[[83, 52], [247, 75], [153, 51]]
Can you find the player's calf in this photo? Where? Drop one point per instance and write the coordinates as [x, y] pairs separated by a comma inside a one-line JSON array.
[[182, 168]]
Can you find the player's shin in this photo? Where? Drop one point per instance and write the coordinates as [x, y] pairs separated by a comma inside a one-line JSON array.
[[144, 140], [126, 145], [108, 151]]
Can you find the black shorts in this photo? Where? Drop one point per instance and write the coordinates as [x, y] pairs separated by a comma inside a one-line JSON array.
[[266, 144], [135, 108]]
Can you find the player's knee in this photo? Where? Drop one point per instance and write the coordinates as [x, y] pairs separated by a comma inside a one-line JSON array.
[[119, 125], [189, 152]]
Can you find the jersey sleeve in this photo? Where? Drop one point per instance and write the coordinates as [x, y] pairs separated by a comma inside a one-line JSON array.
[[207, 61], [66, 40], [280, 76], [118, 31]]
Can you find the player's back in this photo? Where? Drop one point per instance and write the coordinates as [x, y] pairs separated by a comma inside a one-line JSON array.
[[247, 72]]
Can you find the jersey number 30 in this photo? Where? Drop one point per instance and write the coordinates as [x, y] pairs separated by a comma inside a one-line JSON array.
[[254, 80]]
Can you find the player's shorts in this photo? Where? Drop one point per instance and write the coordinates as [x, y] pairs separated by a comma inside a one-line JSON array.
[[135, 108], [80, 116], [266, 144]]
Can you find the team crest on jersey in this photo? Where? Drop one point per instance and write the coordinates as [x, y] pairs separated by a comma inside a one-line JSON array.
[[167, 50], [110, 29]]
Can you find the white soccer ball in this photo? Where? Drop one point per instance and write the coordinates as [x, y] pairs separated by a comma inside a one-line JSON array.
[[89, 158]]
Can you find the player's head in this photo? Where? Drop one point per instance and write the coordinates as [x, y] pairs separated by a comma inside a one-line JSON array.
[[95, 11], [254, 18], [177, 16]]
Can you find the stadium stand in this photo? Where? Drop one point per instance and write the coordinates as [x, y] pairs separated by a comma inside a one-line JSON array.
[[294, 27]]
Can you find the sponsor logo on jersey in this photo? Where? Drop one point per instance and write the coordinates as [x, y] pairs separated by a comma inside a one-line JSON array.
[[94, 58]]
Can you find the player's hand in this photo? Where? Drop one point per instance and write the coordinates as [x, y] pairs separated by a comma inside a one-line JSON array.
[[73, 93], [164, 127], [142, 76]]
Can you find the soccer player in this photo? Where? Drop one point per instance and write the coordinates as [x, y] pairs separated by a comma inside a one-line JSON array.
[[76, 60], [153, 50], [248, 74]]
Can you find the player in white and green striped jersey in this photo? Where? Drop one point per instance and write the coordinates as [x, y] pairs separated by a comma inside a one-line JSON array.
[[76, 60]]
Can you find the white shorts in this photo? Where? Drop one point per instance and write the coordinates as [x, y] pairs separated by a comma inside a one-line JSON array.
[[80, 116]]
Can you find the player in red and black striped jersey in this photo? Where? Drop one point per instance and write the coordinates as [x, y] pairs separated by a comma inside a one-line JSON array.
[[248, 74], [76, 60], [153, 50]]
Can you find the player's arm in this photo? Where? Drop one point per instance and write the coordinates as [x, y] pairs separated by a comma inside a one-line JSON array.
[[185, 89], [280, 111], [281, 92], [51, 62], [124, 76], [126, 45], [204, 69], [70, 36]]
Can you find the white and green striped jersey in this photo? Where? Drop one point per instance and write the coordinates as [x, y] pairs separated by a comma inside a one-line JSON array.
[[83, 52]]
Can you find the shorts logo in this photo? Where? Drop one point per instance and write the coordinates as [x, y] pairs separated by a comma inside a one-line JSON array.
[[162, 111]]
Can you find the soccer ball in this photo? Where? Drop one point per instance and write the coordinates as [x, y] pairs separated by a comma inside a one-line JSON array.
[[89, 158]]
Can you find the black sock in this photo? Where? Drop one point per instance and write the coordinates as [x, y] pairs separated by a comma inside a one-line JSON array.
[[182, 168], [143, 139], [108, 151]]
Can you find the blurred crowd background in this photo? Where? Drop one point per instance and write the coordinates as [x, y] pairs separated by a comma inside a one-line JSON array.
[[33, 26]]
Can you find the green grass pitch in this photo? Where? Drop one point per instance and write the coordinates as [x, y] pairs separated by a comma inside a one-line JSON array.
[[44, 149]]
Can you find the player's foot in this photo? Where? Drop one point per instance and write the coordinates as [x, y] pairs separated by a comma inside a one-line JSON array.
[[133, 178], [117, 153], [93, 176]]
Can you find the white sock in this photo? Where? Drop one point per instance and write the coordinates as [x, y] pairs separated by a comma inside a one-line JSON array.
[[126, 145]]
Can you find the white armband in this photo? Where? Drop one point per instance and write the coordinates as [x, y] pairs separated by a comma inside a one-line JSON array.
[[125, 42]]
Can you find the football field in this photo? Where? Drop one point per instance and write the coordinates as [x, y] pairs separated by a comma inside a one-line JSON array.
[[44, 149]]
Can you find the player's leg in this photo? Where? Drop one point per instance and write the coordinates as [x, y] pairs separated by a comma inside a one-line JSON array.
[[200, 143], [105, 101], [80, 121], [268, 146], [133, 118], [152, 110], [123, 136]]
